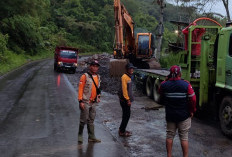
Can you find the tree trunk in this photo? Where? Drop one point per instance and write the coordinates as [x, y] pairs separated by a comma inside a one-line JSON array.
[[160, 33], [226, 4]]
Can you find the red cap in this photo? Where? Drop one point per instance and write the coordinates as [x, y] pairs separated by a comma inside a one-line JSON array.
[[175, 71]]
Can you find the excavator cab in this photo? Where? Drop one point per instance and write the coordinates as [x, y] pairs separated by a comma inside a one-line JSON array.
[[145, 45]]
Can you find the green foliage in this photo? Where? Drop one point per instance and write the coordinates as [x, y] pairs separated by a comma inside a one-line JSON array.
[[35, 8], [24, 32], [3, 43], [32, 26], [13, 60], [146, 21], [86, 22], [169, 59], [3, 46], [169, 36]]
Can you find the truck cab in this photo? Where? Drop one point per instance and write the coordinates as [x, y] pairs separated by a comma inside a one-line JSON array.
[[206, 62], [65, 58], [224, 79]]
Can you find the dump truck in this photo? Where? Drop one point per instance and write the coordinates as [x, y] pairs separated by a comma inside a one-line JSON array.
[[65, 58], [206, 62]]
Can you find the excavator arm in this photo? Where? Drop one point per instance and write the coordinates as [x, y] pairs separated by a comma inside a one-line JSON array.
[[126, 49], [124, 31]]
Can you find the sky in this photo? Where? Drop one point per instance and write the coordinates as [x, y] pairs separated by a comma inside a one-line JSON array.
[[217, 7]]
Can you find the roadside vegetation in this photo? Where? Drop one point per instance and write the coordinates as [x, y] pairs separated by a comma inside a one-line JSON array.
[[30, 29]]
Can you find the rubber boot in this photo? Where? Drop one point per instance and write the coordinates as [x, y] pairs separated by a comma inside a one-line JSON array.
[[80, 133], [92, 137]]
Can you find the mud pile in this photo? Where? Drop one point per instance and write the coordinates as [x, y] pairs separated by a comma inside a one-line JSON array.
[[108, 84]]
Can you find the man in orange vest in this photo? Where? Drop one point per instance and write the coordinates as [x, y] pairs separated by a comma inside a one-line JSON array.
[[88, 96]]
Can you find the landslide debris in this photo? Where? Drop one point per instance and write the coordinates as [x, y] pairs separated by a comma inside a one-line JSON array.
[[108, 84]]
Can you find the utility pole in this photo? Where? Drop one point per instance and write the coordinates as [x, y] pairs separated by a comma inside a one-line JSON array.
[[160, 29]]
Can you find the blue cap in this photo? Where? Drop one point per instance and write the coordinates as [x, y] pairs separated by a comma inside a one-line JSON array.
[[130, 66]]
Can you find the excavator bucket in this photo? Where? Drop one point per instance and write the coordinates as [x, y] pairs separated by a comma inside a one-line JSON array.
[[117, 67], [153, 63]]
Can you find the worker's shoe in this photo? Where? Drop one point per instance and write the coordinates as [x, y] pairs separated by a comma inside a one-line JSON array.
[[80, 133], [124, 134], [92, 137], [94, 140]]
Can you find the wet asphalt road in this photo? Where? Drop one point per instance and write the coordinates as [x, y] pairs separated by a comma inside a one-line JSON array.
[[39, 117]]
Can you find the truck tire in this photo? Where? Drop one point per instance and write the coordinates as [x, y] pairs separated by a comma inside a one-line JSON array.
[[156, 95], [74, 71], [57, 69], [225, 116], [55, 66], [149, 86]]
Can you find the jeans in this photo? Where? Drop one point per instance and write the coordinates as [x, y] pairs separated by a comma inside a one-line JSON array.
[[125, 115]]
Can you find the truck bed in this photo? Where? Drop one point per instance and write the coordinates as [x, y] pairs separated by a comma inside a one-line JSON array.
[[161, 72]]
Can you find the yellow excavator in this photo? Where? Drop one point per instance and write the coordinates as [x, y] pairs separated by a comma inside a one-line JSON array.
[[138, 49]]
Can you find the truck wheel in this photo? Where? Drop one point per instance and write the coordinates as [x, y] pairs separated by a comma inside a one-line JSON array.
[[149, 86], [73, 71], [225, 116], [55, 67], [156, 94]]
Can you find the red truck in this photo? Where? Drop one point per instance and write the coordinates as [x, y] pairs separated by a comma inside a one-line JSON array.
[[65, 58]]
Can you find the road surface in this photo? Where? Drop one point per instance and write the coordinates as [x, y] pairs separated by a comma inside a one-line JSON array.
[[39, 117]]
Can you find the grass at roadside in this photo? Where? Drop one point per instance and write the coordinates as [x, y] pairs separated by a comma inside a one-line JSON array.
[[13, 61], [89, 53]]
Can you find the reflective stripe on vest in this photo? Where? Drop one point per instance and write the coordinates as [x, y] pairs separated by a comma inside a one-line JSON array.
[[176, 95]]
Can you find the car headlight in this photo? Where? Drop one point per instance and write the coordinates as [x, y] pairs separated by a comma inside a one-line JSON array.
[[75, 64], [60, 63]]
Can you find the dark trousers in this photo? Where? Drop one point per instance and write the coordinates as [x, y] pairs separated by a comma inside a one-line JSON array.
[[125, 115]]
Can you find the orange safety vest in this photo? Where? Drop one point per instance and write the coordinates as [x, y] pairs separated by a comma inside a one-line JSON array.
[[87, 90]]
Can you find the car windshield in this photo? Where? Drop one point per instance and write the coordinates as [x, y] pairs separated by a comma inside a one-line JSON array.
[[68, 54]]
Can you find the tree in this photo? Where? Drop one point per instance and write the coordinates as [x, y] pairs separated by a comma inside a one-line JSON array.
[[200, 5], [160, 27], [226, 5], [24, 32]]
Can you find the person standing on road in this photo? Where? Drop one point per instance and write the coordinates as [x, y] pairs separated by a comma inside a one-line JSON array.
[[179, 99], [88, 96], [126, 97]]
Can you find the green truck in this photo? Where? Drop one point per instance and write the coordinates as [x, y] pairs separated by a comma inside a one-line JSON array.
[[206, 62]]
